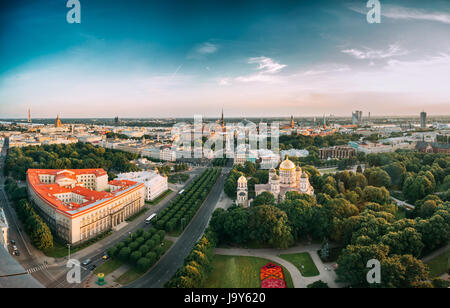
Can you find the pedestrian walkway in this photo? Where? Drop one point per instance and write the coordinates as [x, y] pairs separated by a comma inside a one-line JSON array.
[[326, 271], [37, 268]]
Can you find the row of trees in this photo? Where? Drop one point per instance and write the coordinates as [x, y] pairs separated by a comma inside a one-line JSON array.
[[35, 227], [179, 213], [141, 249], [72, 156], [197, 265], [219, 162]]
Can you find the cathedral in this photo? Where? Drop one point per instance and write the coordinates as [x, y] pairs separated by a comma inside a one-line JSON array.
[[290, 178]]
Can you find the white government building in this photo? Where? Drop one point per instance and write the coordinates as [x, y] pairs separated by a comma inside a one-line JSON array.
[[155, 184]]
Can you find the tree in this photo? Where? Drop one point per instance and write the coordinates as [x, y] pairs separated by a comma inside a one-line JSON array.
[[319, 284], [402, 272], [407, 241], [352, 263], [377, 177], [143, 264], [377, 195], [265, 198], [124, 254], [269, 225]]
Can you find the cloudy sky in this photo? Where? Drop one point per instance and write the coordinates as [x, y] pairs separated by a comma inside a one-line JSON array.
[[251, 58]]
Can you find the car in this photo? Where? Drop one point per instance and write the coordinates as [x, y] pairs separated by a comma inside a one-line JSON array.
[[86, 262], [16, 253], [15, 247], [13, 242], [105, 256], [92, 267]]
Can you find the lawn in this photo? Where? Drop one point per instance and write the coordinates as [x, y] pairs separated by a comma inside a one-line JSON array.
[[133, 273], [60, 250], [303, 262], [239, 272], [439, 265], [109, 266]]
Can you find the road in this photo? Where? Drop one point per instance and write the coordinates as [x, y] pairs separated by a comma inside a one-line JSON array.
[[54, 275], [96, 251], [403, 204], [173, 259]]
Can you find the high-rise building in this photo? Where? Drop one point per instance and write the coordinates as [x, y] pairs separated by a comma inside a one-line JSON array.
[[29, 116], [423, 119], [357, 117], [116, 120], [292, 121]]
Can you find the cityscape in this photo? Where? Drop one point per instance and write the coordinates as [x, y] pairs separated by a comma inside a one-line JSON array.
[[307, 145]]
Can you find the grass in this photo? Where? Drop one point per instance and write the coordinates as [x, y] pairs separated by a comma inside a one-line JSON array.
[[133, 273], [303, 262], [134, 216], [109, 266], [161, 197], [239, 272], [60, 250], [439, 265]]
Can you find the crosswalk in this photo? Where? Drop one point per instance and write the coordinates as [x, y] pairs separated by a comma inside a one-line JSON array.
[[37, 268]]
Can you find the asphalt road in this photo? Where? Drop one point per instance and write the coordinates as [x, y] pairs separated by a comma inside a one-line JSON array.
[[116, 237], [173, 259]]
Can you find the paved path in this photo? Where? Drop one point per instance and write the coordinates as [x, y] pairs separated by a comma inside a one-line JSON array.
[[436, 253], [327, 276]]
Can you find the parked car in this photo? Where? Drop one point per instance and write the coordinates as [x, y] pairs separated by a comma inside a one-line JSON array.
[[15, 247], [13, 242], [92, 267], [86, 262], [16, 253]]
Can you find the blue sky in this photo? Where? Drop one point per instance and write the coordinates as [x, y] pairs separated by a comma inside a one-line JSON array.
[[251, 58]]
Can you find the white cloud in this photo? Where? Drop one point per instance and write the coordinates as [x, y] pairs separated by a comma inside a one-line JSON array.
[[370, 54], [267, 65], [267, 70], [203, 50]]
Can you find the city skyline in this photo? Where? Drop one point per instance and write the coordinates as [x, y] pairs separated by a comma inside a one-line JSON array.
[[174, 59]]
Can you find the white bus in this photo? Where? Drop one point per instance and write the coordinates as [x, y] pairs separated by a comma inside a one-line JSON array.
[[149, 219], [181, 191]]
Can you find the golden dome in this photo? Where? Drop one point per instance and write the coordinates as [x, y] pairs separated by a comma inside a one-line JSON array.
[[287, 165], [242, 179]]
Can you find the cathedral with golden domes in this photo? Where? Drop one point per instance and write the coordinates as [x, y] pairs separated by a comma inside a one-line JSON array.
[[290, 178]]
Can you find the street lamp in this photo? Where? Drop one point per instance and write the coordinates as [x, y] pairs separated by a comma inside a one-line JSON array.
[[68, 245]]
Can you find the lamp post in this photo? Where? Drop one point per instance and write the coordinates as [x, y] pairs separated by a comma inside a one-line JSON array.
[[68, 245]]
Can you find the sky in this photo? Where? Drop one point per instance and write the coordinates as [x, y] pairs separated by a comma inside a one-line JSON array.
[[250, 58]]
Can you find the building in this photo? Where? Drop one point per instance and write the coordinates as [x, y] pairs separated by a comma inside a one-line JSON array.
[[290, 178], [58, 122], [357, 117], [242, 192], [423, 119], [13, 275], [294, 153], [3, 230], [79, 204], [337, 152], [433, 147], [155, 184]]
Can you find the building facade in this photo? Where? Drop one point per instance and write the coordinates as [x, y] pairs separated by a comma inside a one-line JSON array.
[[337, 152], [242, 192], [155, 184], [290, 178], [79, 204], [3, 230]]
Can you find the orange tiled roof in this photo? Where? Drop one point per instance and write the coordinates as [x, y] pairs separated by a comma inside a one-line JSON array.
[[48, 191]]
